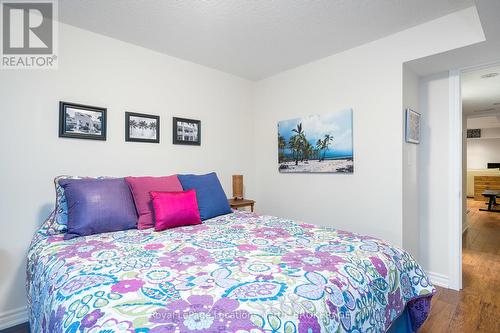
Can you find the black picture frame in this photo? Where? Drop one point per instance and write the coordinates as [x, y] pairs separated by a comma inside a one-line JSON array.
[[473, 133], [177, 139], [130, 138], [67, 123]]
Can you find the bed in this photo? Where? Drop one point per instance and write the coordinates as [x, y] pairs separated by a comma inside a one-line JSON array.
[[239, 272]]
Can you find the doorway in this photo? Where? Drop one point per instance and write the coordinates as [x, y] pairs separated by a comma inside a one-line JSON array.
[[480, 99]]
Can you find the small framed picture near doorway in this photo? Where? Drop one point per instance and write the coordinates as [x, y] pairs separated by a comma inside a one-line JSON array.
[[82, 121], [140, 127], [186, 131], [412, 126]]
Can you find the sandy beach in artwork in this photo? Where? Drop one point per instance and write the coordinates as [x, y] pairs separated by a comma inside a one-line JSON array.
[[316, 144], [337, 165]]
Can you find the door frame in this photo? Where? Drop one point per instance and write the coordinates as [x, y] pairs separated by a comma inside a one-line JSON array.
[[456, 172], [455, 179]]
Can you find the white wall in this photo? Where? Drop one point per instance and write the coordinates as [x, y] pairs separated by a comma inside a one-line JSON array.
[[482, 151], [490, 133], [368, 201], [411, 160], [486, 123], [368, 79], [434, 166], [105, 72]]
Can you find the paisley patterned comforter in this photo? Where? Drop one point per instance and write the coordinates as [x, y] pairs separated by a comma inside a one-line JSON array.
[[235, 273]]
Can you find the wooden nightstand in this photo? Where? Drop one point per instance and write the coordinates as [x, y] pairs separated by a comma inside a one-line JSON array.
[[241, 203]]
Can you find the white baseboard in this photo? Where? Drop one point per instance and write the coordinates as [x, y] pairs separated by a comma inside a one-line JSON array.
[[439, 279], [13, 317]]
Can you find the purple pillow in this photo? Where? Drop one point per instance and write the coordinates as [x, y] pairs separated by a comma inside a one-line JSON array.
[[98, 205]]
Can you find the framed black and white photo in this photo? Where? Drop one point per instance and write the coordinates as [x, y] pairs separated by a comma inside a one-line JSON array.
[[186, 131], [412, 126], [141, 127], [82, 121], [473, 133]]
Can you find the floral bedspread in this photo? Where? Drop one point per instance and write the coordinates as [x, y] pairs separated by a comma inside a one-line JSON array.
[[236, 273]]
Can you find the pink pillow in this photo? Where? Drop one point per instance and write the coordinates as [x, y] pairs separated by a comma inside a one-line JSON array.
[[175, 209], [140, 188]]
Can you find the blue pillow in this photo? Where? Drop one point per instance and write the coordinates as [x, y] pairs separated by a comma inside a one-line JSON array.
[[98, 205], [211, 198]]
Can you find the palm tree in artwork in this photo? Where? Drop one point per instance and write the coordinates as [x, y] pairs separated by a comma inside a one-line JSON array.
[[299, 130], [281, 147], [132, 124], [152, 127], [308, 150], [294, 144], [319, 147], [300, 143], [326, 143], [142, 125], [303, 149]]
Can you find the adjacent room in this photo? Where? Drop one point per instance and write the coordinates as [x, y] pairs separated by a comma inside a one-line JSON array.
[[481, 225], [250, 166]]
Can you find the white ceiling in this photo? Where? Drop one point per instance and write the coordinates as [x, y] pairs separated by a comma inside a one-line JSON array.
[[481, 96], [252, 38], [473, 55]]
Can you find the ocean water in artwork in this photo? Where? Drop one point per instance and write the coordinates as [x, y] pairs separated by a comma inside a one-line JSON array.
[[316, 143]]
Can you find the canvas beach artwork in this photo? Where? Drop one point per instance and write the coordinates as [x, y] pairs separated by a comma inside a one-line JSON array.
[[316, 144]]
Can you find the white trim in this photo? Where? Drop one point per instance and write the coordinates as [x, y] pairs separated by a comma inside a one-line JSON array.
[[479, 67], [13, 317], [439, 279], [465, 225], [455, 179]]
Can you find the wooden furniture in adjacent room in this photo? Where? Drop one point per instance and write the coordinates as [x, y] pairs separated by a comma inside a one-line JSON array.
[[492, 196], [235, 204], [471, 173], [483, 183]]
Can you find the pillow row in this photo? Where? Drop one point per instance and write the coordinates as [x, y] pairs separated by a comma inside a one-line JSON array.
[[87, 206]]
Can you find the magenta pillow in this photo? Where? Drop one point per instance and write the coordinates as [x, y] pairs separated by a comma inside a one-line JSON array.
[[140, 188], [175, 209]]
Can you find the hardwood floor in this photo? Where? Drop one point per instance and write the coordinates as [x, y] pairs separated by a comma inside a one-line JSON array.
[[476, 308]]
